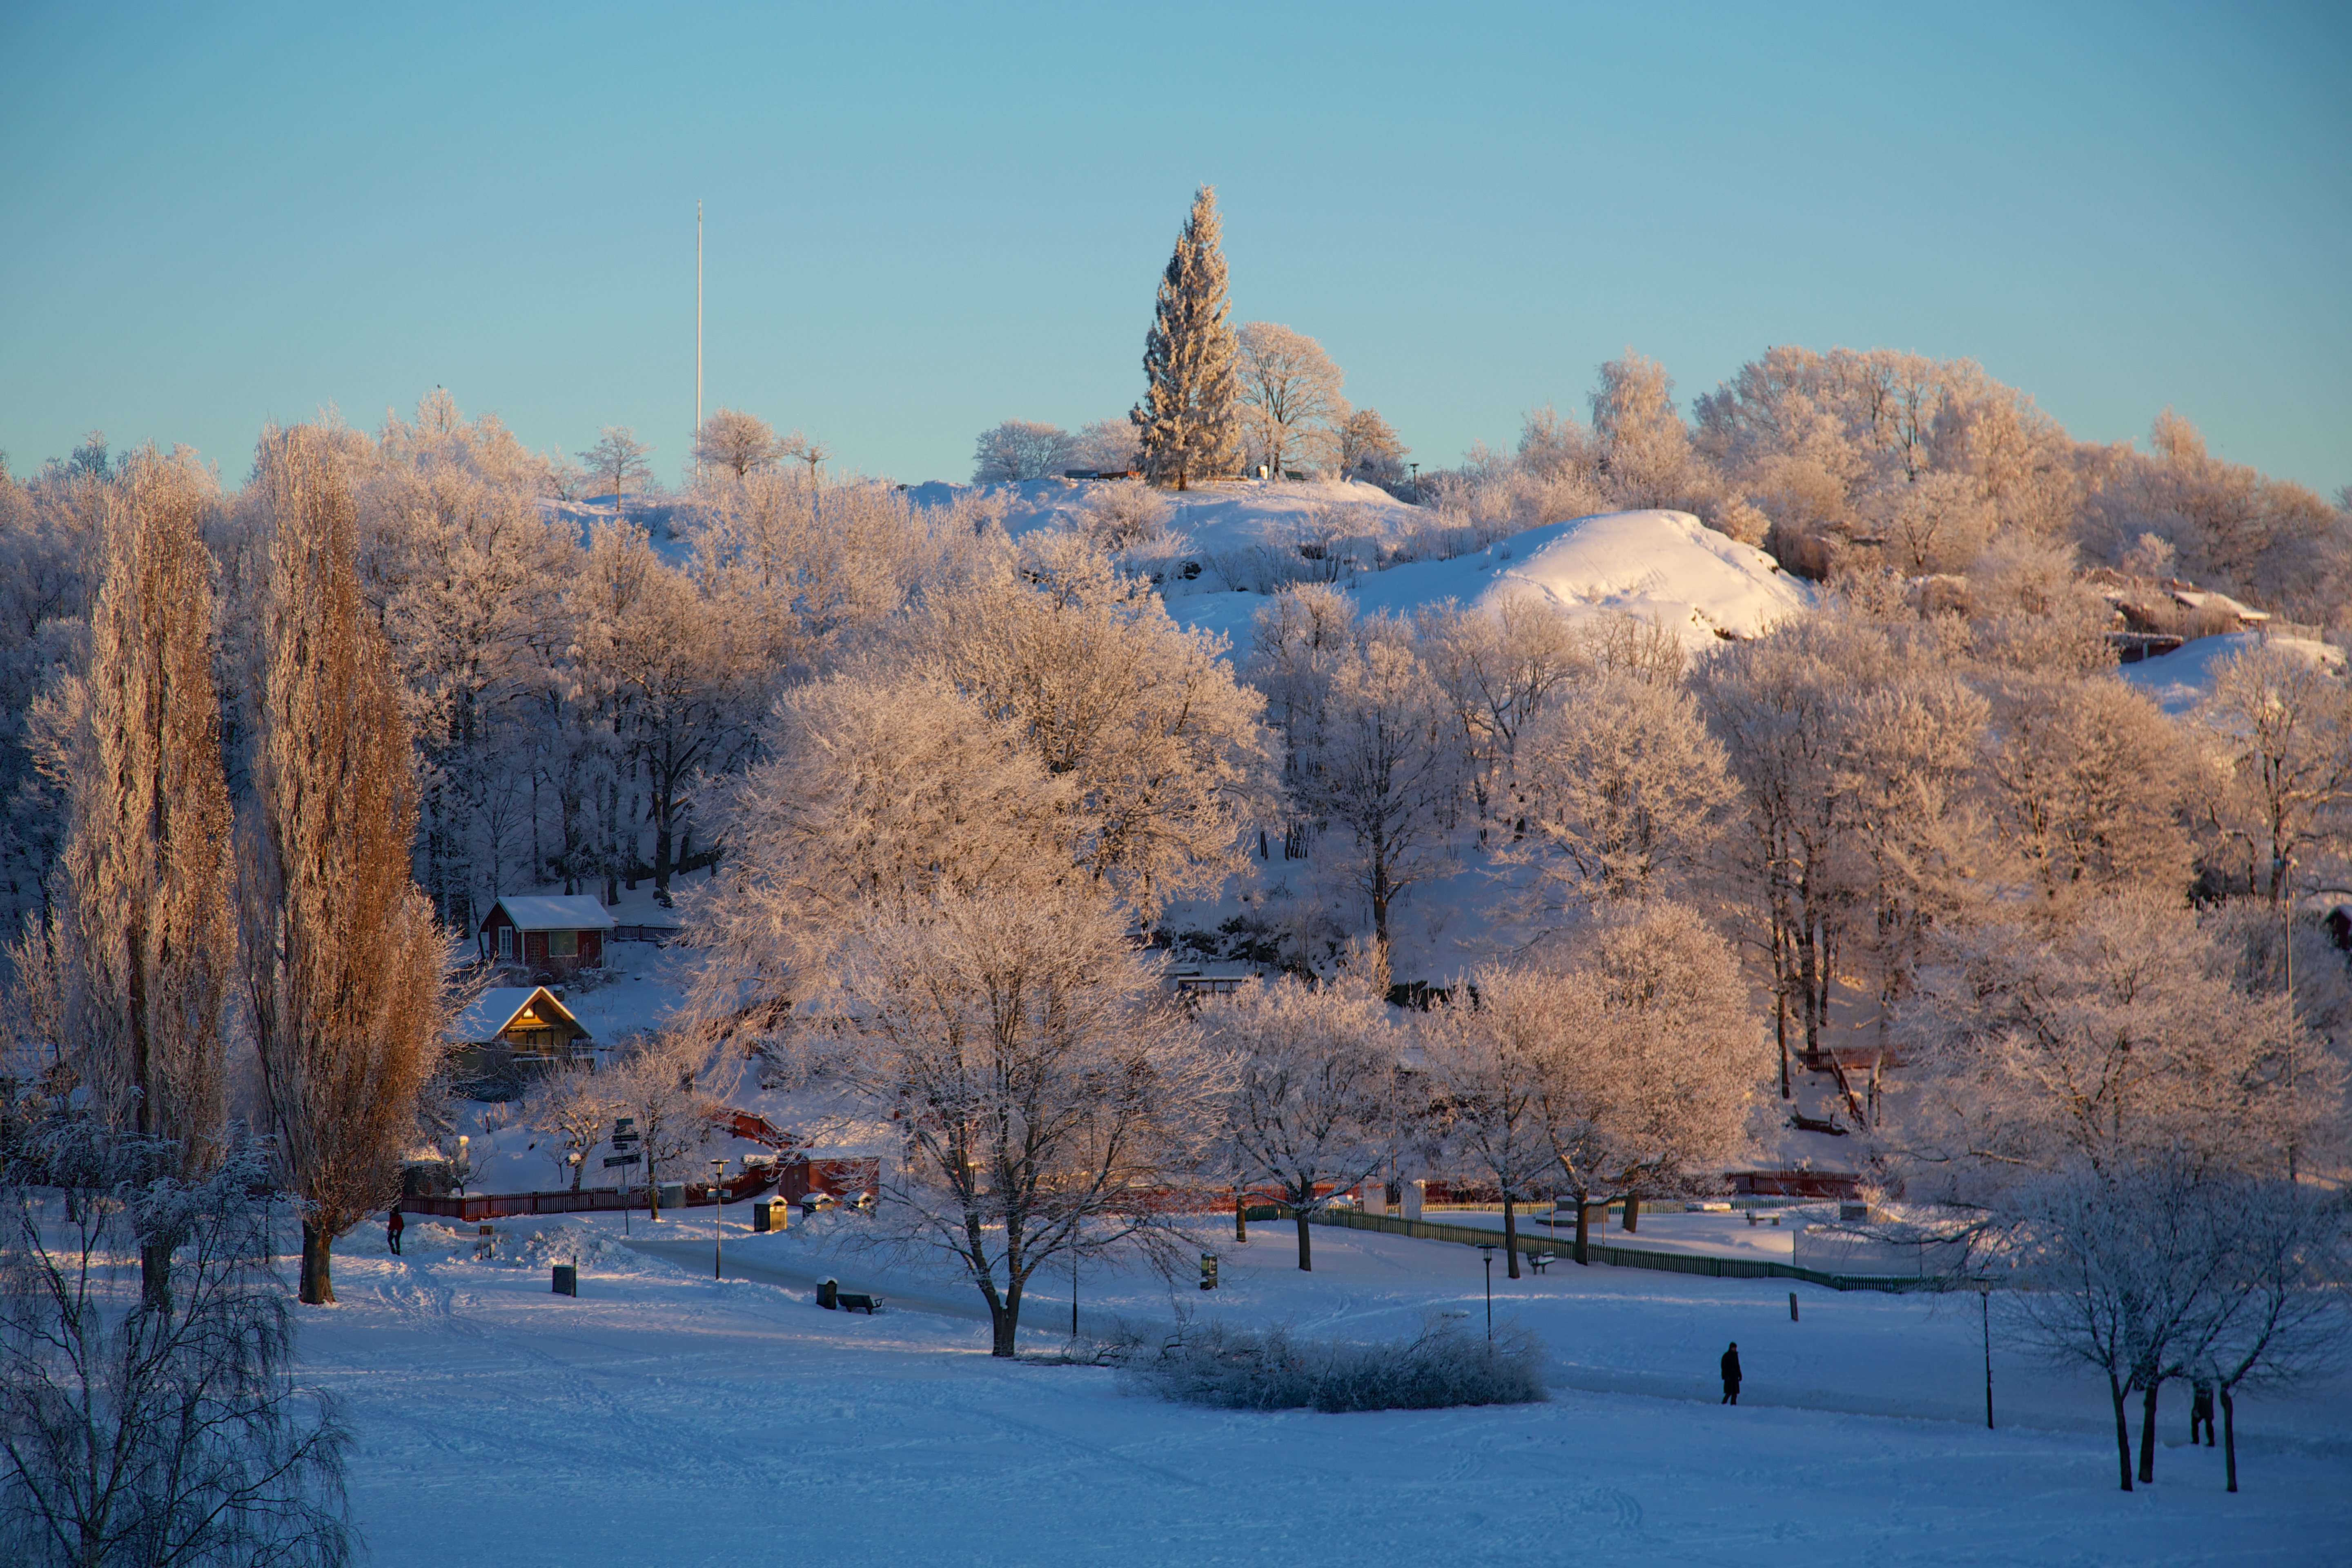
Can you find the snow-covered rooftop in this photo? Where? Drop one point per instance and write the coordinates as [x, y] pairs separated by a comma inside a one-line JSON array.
[[578, 912], [494, 1009]]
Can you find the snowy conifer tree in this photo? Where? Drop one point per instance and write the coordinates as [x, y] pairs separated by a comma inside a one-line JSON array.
[[1186, 418]]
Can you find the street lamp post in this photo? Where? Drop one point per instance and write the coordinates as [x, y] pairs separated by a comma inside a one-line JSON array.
[[1487, 1251], [1416, 482], [718, 1212]]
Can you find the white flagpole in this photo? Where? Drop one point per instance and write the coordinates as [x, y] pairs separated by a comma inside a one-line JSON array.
[[698, 334]]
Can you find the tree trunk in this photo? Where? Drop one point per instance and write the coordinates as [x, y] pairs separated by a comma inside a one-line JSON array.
[[155, 1273], [1633, 1211], [2148, 1430], [2115, 1391], [1780, 1033], [1004, 1315], [1583, 1226], [1306, 1255], [318, 1284], [2229, 1433], [1510, 1236]]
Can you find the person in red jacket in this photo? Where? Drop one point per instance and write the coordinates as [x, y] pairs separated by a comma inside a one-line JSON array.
[[1731, 1374], [393, 1226]]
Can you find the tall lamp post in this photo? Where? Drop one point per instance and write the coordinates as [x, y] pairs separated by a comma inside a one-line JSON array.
[[2286, 953], [1486, 1250], [718, 1212]]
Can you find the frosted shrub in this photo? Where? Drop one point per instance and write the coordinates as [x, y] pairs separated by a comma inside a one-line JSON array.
[[1246, 1368], [1126, 513]]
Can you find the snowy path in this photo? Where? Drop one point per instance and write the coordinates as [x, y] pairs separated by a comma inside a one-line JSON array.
[[664, 1418]]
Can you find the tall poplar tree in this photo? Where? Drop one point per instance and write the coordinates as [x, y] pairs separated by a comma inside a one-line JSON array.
[[343, 958], [152, 944], [1186, 418]]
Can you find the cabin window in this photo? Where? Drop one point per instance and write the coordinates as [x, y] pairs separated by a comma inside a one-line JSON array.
[[563, 944], [506, 941]]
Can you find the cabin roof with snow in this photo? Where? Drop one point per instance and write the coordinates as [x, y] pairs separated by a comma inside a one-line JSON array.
[[505, 1008], [552, 914]]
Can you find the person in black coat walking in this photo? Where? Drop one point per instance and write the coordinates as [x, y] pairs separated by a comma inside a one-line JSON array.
[[1731, 1374]]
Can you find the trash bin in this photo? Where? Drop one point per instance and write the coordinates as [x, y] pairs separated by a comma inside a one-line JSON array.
[[828, 1294], [771, 1213], [1208, 1271], [673, 1195], [567, 1280]]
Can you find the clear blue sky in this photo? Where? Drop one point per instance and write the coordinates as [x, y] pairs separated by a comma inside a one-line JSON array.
[[925, 220]]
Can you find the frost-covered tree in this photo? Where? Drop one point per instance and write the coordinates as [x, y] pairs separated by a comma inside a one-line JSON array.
[[2285, 721], [2119, 1266], [879, 791], [2116, 1040], [143, 1431], [1187, 422], [741, 443], [1489, 1062], [618, 459], [462, 567], [1369, 448], [1145, 718], [684, 692], [2274, 1318], [1105, 446], [1311, 1113], [1625, 790], [572, 1111], [148, 860], [1019, 449], [1384, 770], [657, 1083], [1669, 1017], [342, 961], [1042, 1084], [1291, 397], [2090, 785], [152, 955], [1643, 448], [1501, 666]]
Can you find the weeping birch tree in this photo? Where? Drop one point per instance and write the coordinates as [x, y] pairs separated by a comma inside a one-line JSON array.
[[342, 959]]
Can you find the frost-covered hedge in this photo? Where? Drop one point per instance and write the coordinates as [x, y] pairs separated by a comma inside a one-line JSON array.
[[1273, 1369]]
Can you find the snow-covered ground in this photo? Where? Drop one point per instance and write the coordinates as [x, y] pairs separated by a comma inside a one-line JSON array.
[[665, 1418], [2182, 679]]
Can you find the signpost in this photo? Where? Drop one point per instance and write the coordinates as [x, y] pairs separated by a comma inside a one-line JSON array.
[[625, 1153]]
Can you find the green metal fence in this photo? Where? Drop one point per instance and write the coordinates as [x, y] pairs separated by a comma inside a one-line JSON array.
[[1625, 1256]]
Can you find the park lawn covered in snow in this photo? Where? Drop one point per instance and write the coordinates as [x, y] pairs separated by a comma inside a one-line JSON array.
[[665, 1418]]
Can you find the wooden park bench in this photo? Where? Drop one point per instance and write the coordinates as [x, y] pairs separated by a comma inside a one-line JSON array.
[[830, 1296], [1539, 1261]]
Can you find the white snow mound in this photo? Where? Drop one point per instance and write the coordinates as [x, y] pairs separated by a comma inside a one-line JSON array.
[[1666, 567]]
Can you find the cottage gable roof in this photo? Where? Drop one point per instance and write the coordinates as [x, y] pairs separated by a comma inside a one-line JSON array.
[[497, 1009], [578, 913]]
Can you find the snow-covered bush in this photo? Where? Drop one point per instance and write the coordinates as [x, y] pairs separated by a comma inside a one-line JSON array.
[[1126, 513], [1273, 1369]]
